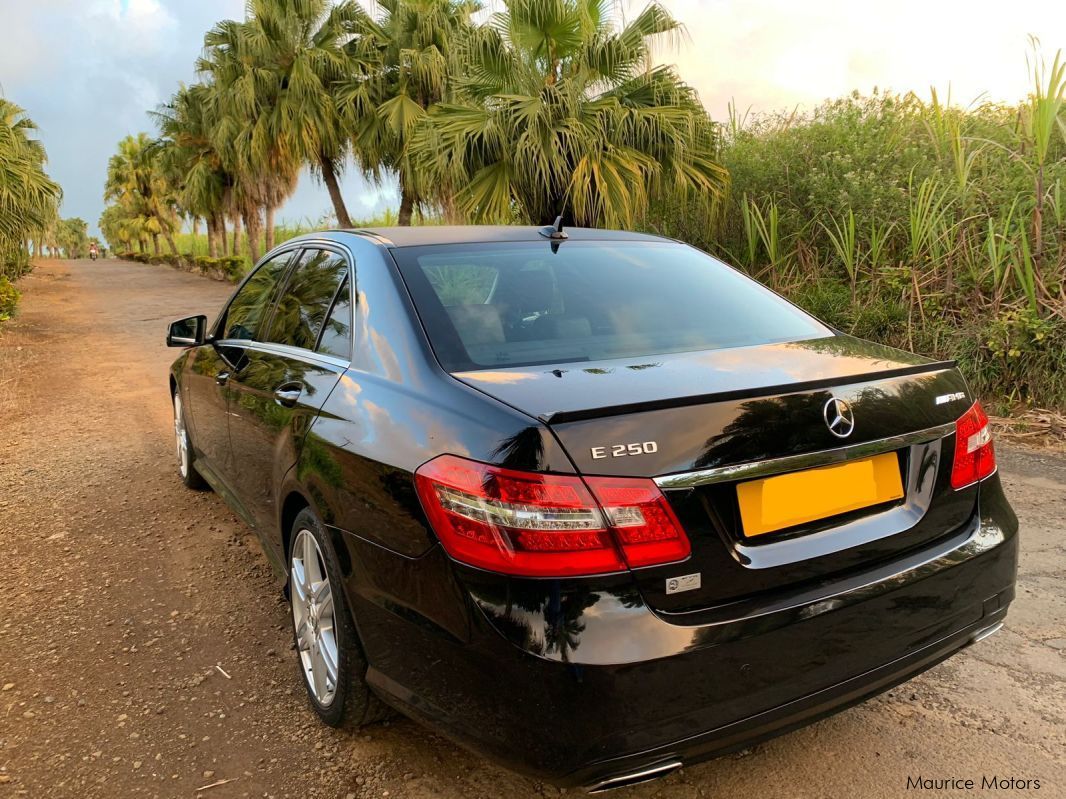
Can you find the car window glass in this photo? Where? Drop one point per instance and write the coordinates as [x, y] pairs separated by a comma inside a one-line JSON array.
[[462, 283], [490, 305], [337, 334], [302, 307], [251, 303]]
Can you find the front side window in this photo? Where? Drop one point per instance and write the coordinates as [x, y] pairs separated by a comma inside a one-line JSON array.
[[522, 304], [301, 310], [249, 307]]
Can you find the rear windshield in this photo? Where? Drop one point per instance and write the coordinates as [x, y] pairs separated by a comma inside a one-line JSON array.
[[521, 304]]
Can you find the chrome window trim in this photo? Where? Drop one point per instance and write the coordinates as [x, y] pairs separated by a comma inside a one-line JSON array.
[[284, 350], [808, 460]]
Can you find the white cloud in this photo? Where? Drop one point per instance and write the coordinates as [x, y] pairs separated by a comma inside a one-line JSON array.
[[134, 27], [773, 54]]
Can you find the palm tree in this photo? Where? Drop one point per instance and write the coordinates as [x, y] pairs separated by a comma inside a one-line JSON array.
[[29, 199], [72, 237], [119, 229], [275, 74], [559, 112], [192, 164], [405, 63], [234, 107], [136, 181]]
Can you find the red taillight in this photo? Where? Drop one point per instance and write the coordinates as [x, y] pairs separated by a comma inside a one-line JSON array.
[[642, 521], [547, 525], [975, 457]]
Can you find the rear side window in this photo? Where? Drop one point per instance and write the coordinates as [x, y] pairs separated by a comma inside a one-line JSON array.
[[301, 310], [249, 307], [521, 304], [337, 334]]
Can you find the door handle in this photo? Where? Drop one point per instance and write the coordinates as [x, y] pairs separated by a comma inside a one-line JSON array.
[[221, 378], [288, 395]]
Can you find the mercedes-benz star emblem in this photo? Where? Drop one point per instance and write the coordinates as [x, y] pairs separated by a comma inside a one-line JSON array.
[[838, 417]]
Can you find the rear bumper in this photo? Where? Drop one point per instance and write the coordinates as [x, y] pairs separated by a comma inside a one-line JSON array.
[[613, 772], [577, 684]]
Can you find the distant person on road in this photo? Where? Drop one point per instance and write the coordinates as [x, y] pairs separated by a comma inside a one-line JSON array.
[[93, 251]]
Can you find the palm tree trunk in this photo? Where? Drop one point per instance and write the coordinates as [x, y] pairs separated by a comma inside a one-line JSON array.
[[270, 209], [220, 234], [251, 224], [236, 248], [170, 242], [212, 235], [407, 204], [155, 243], [195, 226], [329, 177]]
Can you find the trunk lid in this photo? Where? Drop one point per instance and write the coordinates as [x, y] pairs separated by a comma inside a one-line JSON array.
[[702, 422]]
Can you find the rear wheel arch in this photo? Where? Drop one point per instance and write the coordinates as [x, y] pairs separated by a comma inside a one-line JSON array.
[[290, 509], [295, 501]]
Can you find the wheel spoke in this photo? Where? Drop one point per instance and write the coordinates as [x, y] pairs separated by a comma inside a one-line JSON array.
[[318, 671], [299, 581], [325, 607], [310, 558], [304, 636], [321, 592], [327, 649]]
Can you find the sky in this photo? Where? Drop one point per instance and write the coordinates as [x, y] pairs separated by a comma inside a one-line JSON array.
[[88, 71]]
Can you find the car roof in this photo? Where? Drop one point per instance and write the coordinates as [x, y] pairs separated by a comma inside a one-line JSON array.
[[422, 235]]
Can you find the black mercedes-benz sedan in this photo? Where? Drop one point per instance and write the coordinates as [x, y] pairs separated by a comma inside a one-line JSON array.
[[591, 503]]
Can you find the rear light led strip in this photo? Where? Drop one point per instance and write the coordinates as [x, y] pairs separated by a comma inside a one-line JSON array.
[[547, 525]]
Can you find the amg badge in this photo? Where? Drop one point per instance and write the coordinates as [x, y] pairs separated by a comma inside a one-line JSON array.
[[944, 399]]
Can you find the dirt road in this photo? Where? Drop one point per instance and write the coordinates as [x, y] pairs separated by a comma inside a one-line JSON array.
[[145, 651]]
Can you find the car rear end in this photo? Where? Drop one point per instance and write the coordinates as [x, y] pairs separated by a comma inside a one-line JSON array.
[[761, 529]]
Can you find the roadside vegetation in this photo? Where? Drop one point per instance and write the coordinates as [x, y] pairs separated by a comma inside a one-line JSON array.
[[915, 222], [29, 200], [548, 108], [918, 222]]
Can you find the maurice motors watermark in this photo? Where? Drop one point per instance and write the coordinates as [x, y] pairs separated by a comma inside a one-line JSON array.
[[983, 783]]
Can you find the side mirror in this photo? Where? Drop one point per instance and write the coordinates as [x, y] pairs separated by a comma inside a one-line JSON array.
[[188, 332]]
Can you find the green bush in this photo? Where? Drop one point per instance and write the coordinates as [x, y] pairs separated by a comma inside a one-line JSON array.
[[15, 264], [9, 298], [233, 266], [205, 263]]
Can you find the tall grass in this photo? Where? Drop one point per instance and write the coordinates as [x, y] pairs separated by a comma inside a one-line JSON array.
[[194, 244]]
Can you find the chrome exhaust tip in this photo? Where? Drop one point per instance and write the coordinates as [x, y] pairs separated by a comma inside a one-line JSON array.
[[636, 777], [981, 635]]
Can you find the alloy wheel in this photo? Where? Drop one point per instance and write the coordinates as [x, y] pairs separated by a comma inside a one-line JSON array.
[[181, 437], [314, 618]]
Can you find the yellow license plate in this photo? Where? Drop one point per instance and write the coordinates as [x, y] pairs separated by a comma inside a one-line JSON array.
[[786, 500]]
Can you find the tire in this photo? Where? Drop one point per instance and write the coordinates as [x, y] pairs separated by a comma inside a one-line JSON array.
[[184, 449], [329, 655]]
